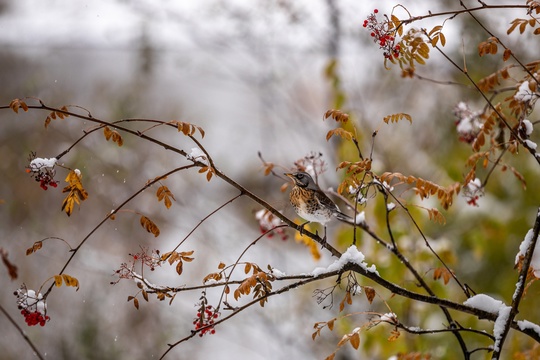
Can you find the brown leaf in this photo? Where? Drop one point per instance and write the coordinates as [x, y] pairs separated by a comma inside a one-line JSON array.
[[370, 293], [136, 303], [337, 115], [347, 135], [163, 193], [145, 295], [331, 324], [12, 269], [507, 53], [149, 226], [179, 267], [16, 104], [394, 118], [355, 340], [35, 247]]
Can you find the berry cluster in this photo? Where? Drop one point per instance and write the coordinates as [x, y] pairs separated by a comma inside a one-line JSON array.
[[146, 258], [467, 122], [150, 259], [32, 306], [268, 221], [382, 35], [42, 170], [473, 192], [205, 319], [34, 318]]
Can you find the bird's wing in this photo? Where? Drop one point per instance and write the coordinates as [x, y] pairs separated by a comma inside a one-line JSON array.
[[324, 200]]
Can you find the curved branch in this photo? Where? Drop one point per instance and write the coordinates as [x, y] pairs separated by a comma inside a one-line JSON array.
[[23, 333]]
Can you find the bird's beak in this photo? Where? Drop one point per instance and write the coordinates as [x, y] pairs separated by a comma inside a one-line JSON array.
[[288, 174]]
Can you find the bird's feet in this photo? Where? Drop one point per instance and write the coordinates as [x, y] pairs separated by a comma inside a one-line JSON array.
[[302, 228], [323, 240]]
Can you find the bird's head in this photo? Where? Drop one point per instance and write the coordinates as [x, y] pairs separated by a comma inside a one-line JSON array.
[[302, 179]]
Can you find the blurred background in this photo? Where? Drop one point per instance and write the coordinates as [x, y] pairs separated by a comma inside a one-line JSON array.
[[254, 75]]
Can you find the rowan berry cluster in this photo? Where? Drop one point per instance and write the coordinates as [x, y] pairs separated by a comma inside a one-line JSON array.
[[32, 306], [42, 170], [473, 192], [468, 123], [34, 318], [268, 221], [206, 316], [382, 35]]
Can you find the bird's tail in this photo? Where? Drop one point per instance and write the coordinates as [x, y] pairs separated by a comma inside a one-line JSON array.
[[344, 217]]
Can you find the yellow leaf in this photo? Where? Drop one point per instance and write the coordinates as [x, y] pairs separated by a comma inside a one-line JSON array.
[[57, 280], [76, 192], [70, 281]]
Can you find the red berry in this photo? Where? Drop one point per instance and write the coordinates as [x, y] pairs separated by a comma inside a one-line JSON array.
[[376, 11]]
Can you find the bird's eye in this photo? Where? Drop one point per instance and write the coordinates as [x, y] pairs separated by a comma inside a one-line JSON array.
[[300, 176]]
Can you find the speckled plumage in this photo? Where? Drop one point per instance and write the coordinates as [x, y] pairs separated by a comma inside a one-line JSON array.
[[310, 202]]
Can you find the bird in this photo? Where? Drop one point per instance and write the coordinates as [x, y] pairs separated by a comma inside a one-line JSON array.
[[311, 203]]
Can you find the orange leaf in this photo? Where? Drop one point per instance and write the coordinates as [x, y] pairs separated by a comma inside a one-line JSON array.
[[76, 192], [331, 324], [370, 293], [347, 135], [355, 340], [149, 226], [15, 104]]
